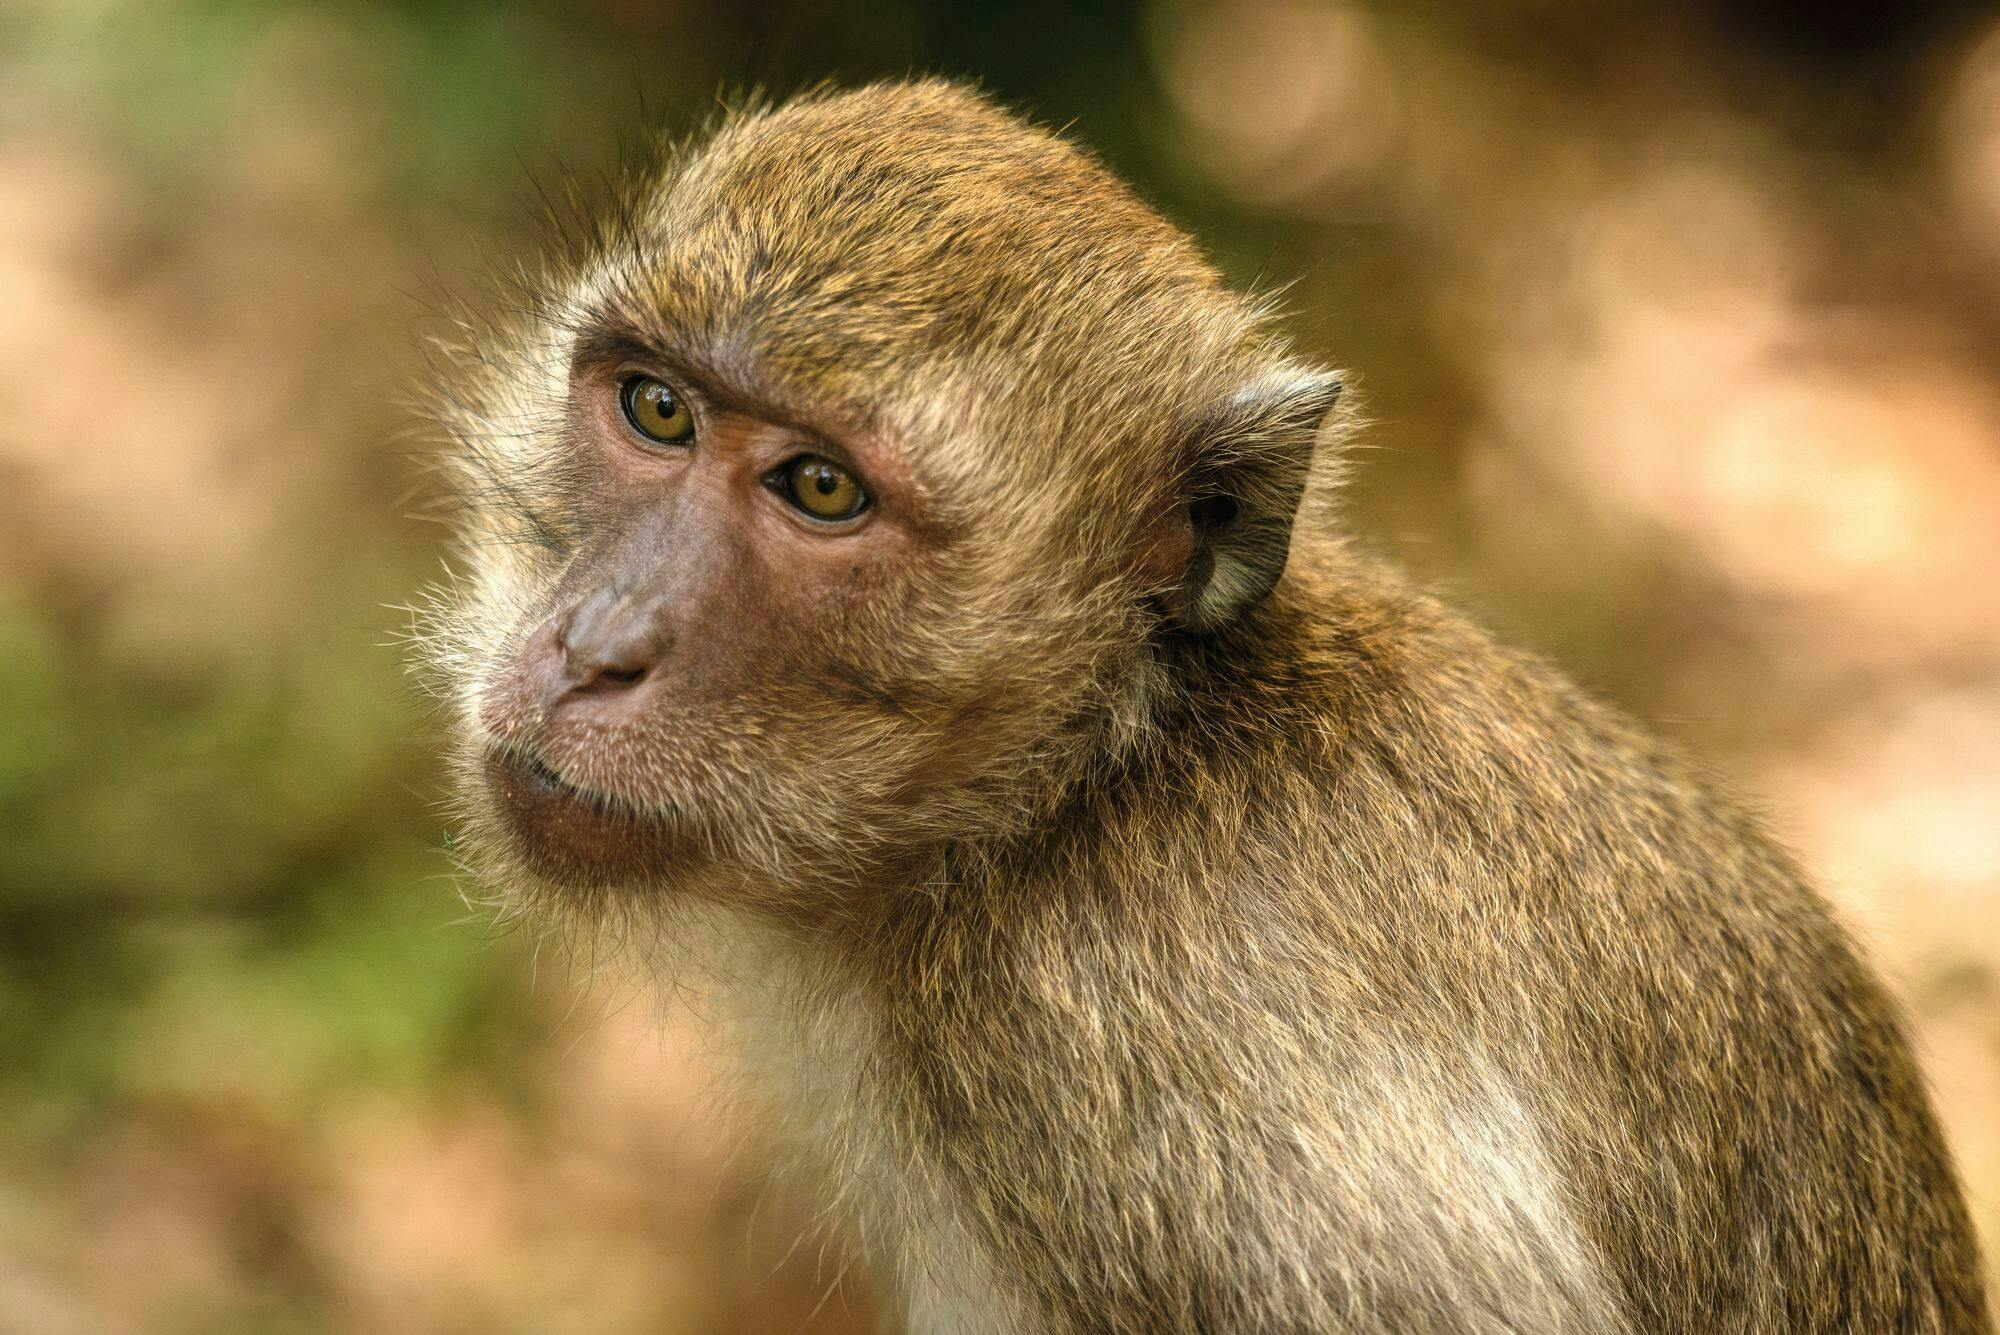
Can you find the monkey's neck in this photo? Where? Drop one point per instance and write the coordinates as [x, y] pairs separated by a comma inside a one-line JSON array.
[[1035, 989]]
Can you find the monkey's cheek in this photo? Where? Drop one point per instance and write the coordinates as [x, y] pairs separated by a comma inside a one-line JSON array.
[[569, 838]]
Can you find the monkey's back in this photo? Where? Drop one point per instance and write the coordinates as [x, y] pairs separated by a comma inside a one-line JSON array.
[[1740, 1123]]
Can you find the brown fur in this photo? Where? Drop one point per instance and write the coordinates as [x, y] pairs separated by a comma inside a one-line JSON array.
[[1126, 949]]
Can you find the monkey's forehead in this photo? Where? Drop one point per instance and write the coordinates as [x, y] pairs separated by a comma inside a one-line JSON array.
[[862, 228]]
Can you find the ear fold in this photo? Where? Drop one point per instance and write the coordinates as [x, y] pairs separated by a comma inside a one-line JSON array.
[[1253, 452]]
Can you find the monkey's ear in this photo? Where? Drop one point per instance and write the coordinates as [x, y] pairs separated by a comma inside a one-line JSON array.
[[1253, 452]]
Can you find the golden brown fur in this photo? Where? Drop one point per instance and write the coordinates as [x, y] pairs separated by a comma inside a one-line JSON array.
[[1126, 949]]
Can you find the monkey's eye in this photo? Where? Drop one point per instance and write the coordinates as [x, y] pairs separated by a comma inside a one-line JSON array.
[[656, 411], [820, 487]]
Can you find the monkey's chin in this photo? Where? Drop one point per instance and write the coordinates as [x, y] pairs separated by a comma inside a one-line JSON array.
[[573, 837]]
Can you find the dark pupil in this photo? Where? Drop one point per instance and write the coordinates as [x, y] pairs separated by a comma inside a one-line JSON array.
[[662, 401], [825, 482]]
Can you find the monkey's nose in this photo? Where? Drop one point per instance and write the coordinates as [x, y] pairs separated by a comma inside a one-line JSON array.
[[608, 644]]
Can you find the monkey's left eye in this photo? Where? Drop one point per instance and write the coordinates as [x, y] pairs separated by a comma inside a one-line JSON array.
[[656, 411], [820, 487]]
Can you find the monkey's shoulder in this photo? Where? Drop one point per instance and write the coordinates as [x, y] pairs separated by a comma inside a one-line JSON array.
[[1367, 727]]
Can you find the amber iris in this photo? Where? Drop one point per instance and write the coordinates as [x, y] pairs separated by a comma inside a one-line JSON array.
[[823, 489], [656, 411]]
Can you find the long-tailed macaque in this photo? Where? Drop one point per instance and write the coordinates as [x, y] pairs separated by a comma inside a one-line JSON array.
[[897, 568]]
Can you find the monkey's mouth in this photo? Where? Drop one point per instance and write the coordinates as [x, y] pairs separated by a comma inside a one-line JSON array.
[[572, 834], [541, 776]]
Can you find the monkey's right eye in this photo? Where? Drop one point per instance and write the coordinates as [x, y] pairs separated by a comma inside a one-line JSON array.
[[656, 411]]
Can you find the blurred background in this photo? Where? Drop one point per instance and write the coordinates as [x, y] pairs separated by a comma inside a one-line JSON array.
[[1677, 323]]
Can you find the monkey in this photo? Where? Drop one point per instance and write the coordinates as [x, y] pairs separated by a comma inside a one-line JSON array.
[[902, 584]]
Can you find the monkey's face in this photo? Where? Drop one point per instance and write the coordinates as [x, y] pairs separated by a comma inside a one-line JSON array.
[[835, 506], [712, 674], [775, 641]]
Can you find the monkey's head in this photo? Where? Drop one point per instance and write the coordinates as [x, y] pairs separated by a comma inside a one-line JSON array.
[[853, 488]]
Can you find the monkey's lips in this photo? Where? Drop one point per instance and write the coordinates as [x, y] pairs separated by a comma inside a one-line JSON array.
[[573, 835]]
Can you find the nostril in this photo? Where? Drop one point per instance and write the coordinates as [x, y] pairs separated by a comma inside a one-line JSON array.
[[592, 678], [615, 676]]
